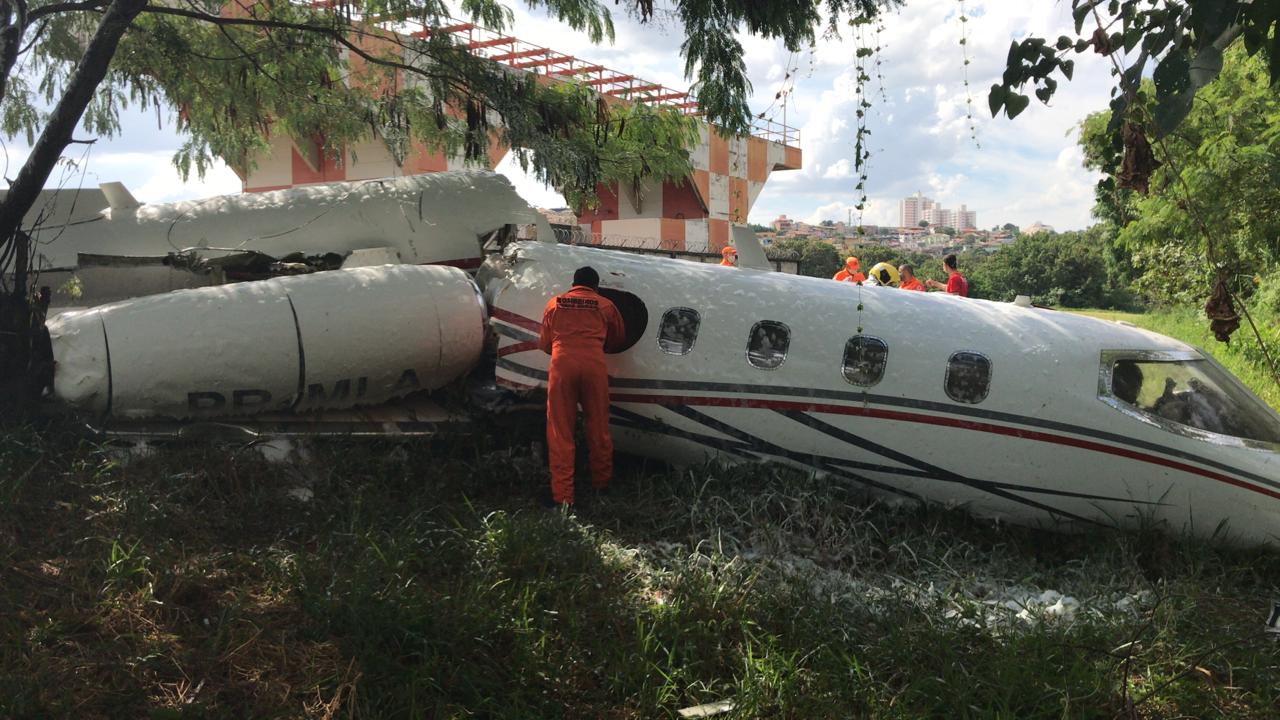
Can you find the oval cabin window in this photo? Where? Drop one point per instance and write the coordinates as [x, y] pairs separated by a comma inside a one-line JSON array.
[[968, 377], [635, 316], [864, 360], [767, 344], [678, 330]]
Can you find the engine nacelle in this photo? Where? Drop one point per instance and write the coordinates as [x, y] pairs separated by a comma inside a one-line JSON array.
[[329, 340]]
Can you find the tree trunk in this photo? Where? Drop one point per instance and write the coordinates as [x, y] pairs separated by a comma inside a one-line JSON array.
[[21, 332]]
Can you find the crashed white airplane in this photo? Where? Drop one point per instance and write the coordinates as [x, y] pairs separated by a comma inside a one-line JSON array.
[[1036, 416]]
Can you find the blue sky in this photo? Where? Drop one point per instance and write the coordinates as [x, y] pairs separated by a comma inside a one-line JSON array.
[[1024, 171]]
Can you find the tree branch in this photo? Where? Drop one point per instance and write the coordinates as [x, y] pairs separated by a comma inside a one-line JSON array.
[[14, 26], [336, 33], [84, 82], [44, 10]]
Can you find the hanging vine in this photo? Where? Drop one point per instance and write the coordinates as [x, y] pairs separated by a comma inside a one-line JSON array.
[[864, 53], [968, 91], [879, 56]]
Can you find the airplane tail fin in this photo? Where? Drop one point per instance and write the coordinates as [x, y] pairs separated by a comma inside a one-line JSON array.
[[750, 251], [118, 196]]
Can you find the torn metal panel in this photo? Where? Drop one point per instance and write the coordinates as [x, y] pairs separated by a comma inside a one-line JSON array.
[[438, 218]]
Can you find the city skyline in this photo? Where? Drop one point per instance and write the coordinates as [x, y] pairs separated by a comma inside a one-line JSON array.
[[917, 208]]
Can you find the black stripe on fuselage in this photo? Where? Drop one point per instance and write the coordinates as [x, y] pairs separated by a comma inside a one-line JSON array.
[[514, 332], [928, 405], [748, 445], [940, 473], [834, 466]]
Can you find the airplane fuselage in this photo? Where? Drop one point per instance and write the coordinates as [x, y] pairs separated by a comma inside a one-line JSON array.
[[1008, 411]]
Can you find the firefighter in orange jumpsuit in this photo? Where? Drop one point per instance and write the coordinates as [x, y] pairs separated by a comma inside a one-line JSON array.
[[577, 328], [729, 256], [849, 273]]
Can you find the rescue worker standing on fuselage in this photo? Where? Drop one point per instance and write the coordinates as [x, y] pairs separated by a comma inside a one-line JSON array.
[[577, 327]]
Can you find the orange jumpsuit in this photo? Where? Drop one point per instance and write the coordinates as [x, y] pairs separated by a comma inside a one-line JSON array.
[[912, 284], [845, 276], [576, 328]]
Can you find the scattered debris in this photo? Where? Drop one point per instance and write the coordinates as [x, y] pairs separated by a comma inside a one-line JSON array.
[[301, 494], [707, 709]]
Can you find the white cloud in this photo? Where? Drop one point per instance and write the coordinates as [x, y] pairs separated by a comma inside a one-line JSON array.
[[1023, 171], [839, 170], [920, 131], [528, 186]]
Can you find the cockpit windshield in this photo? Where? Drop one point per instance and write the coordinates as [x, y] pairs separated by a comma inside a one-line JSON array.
[[1190, 392]]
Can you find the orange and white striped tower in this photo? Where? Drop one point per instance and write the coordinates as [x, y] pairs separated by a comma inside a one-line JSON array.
[[692, 214]]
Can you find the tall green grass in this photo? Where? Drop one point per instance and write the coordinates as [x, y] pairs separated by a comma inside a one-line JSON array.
[[422, 580], [1242, 355]]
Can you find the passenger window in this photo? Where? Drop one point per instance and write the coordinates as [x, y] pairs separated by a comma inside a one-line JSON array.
[[1193, 393], [767, 345], [678, 331], [864, 360], [968, 377]]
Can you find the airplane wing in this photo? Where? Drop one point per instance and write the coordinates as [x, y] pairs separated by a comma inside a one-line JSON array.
[[122, 249]]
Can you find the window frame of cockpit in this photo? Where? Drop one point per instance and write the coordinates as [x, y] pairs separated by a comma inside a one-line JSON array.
[[1106, 376]]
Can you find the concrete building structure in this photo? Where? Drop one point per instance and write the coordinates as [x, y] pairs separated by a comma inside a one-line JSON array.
[[941, 217], [694, 213], [914, 209]]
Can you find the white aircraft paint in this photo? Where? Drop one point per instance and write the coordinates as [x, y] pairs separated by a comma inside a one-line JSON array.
[[436, 218], [1044, 447], [1046, 441], [329, 340]]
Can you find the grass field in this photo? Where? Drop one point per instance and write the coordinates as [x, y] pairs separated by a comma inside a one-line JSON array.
[[1241, 355], [422, 580]]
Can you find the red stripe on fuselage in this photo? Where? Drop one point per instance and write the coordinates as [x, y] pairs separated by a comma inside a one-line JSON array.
[[507, 316], [1023, 433], [517, 348]]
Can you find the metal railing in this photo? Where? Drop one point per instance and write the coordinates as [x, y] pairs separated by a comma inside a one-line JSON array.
[[772, 131], [521, 55]]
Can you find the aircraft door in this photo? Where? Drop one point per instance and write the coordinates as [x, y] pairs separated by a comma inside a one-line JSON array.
[[635, 316]]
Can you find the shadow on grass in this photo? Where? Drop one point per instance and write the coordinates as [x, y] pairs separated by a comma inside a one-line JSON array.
[[421, 580]]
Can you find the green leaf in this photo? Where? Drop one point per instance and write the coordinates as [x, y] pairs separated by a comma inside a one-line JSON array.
[[1079, 11], [1173, 74], [1171, 110], [1015, 103], [1132, 37], [1064, 42], [996, 98], [1015, 55], [1274, 65], [1068, 67], [1046, 92]]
